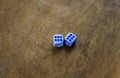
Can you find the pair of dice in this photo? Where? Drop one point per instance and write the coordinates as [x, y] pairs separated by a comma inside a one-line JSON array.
[[58, 39]]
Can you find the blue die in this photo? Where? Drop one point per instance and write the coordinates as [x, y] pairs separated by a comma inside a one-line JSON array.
[[70, 39], [58, 40]]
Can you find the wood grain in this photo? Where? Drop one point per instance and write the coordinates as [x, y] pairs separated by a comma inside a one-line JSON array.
[[27, 27]]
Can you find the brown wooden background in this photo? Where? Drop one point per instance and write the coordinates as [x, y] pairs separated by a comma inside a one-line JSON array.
[[27, 27]]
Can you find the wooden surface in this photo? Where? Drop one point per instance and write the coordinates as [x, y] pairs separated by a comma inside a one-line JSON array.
[[27, 27]]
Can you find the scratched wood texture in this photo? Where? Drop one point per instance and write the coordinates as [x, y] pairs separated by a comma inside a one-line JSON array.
[[27, 27]]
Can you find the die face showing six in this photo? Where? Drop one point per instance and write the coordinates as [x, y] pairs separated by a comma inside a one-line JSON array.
[[70, 39], [58, 40]]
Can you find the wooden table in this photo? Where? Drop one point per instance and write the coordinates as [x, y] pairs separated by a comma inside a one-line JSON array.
[[27, 27]]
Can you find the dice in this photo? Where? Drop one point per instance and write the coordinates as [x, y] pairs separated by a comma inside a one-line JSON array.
[[58, 40], [70, 39]]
